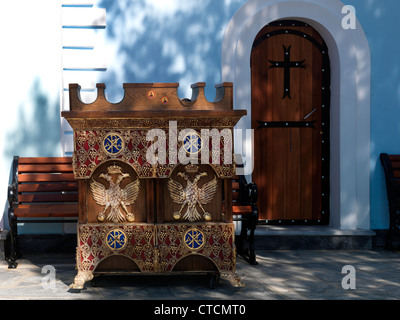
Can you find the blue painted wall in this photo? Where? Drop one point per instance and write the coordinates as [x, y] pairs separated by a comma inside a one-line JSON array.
[[166, 41], [379, 19]]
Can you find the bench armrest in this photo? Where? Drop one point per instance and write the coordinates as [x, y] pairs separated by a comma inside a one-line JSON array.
[[251, 191], [249, 195], [248, 191], [12, 193]]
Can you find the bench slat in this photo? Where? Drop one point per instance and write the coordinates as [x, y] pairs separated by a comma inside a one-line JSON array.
[[46, 177], [44, 160], [48, 187], [24, 198], [48, 210], [235, 186], [394, 157], [395, 164], [241, 209], [235, 196], [44, 168]]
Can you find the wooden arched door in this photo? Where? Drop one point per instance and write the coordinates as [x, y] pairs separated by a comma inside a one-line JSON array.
[[290, 115]]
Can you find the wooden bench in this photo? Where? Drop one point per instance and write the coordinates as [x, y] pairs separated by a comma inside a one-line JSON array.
[[244, 209], [42, 190], [391, 166]]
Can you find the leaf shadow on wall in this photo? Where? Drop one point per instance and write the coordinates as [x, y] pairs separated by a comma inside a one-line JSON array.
[[171, 41], [37, 131]]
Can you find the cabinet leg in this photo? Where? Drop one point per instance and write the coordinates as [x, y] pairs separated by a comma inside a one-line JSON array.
[[233, 278], [81, 278]]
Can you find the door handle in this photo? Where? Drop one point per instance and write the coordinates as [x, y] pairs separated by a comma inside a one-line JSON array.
[[310, 114]]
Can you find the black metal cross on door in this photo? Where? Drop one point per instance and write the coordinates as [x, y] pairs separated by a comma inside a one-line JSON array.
[[287, 65]]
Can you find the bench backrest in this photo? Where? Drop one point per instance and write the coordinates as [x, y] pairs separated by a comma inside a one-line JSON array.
[[44, 182], [391, 166]]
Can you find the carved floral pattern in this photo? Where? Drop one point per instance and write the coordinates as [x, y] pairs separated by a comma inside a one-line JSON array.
[[89, 154], [219, 247]]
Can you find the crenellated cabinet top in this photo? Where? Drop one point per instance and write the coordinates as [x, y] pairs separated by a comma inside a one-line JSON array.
[[105, 131]]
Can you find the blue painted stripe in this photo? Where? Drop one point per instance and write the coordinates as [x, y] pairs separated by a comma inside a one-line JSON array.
[[77, 6], [84, 69], [77, 48], [84, 27]]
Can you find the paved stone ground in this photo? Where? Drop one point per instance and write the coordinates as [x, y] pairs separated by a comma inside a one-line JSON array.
[[280, 275]]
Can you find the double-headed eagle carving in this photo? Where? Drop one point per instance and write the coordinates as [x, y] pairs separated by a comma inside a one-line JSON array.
[[115, 197], [192, 196]]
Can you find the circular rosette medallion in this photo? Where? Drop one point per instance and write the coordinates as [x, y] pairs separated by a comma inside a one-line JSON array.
[[194, 239], [113, 144], [192, 143], [116, 240]]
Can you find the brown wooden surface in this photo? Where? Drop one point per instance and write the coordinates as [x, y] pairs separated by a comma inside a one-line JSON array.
[[154, 204], [42, 168], [237, 208], [151, 200], [136, 98], [161, 192], [395, 162], [46, 177], [287, 160], [117, 263], [48, 197], [47, 210], [168, 206], [195, 263], [139, 208], [46, 188], [228, 199], [45, 160], [143, 114]]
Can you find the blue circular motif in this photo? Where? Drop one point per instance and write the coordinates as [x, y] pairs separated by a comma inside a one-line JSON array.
[[192, 143], [116, 239], [194, 239], [113, 144]]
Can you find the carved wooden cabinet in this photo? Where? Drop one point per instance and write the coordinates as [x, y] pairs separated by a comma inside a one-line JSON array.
[[155, 184]]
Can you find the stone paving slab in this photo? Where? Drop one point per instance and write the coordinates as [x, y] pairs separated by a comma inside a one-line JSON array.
[[280, 275]]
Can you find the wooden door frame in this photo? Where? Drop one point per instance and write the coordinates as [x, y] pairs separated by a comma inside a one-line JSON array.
[[350, 95], [325, 107]]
